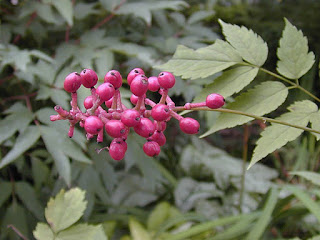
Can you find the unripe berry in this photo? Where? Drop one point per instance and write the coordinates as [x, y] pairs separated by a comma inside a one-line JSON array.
[[113, 77], [133, 73], [88, 102], [72, 82], [214, 101], [105, 91], [166, 80], [189, 125], [115, 128], [130, 117], [117, 149], [93, 125], [139, 85], [160, 112], [89, 78], [151, 148], [134, 99], [158, 137], [153, 84], [145, 128]]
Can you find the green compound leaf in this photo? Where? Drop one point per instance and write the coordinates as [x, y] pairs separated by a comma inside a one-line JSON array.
[[260, 100], [202, 62], [65, 209], [83, 231], [138, 232], [230, 82], [248, 44], [311, 176], [275, 136], [294, 59], [65, 9], [43, 231]]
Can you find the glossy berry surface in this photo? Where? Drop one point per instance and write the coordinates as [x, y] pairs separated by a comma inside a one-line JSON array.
[[89, 78], [159, 138], [151, 148], [166, 80], [139, 85], [160, 112], [145, 128], [117, 149], [115, 128], [130, 117], [114, 77], [93, 125], [133, 73], [72, 82], [215, 101], [105, 91], [88, 102], [154, 85], [189, 125]]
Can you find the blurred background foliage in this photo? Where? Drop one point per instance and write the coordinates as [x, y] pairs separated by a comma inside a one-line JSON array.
[[195, 188]]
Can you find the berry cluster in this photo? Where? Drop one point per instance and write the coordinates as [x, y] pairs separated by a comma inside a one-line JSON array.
[[118, 119]]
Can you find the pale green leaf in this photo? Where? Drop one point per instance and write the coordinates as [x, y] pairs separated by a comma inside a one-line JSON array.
[[65, 9], [82, 10], [262, 223], [230, 82], [159, 215], [43, 231], [104, 61], [16, 57], [24, 141], [82, 231], [42, 55], [248, 44], [311, 176], [202, 62], [46, 13], [315, 238], [315, 123], [6, 190], [294, 59], [199, 16], [65, 209], [275, 136], [138, 232], [262, 99]]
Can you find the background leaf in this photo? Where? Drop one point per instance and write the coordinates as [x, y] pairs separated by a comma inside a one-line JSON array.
[[65, 8], [138, 232], [311, 176], [43, 231]]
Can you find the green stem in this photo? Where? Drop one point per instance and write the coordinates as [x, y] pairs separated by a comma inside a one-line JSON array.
[[265, 119]]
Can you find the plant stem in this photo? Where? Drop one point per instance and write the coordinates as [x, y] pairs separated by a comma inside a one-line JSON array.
[[265, 119], [244, 164]]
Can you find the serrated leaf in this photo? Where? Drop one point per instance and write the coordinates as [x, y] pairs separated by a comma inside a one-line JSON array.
[[23, 142], [311, 176], [16, 57], [248, 44], [158, 215], [275, 136], [65, 9], [43, 231], [83, 231], [65, 209], [138, 232], [202, 62], [230, 82], [262, 99], [315, 123], [6, 190], [294, 59]]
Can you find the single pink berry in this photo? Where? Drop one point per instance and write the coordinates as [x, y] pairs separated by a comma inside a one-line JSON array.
[[139, 85], [160, 126], [89, 78], [134, 99], [117, 149], [88, 102], [133, 73], [72, 82], [113, 77], [158, 137], [115, 128], [130, 117], [153, 84], [166, 80], [109, 102], [160, 112], [214, 101], [151, 148], [145, 128], [105, 91], [189, 125], [93, 125]]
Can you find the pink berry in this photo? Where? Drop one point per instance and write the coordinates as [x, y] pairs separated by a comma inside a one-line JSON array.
[[145, 128], [105, 91], [139, 85], [130, 117], [133, 73], [115, 128], [134, 99], [72, 82], [109, 102], [113, 77], [89, 78], [117, 149], [88, 102], [189, 125], [160, 126], [151, 148], [160, 112], [93, 125], [166, 80], [214, 101], [158, 137], [153, 84]]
